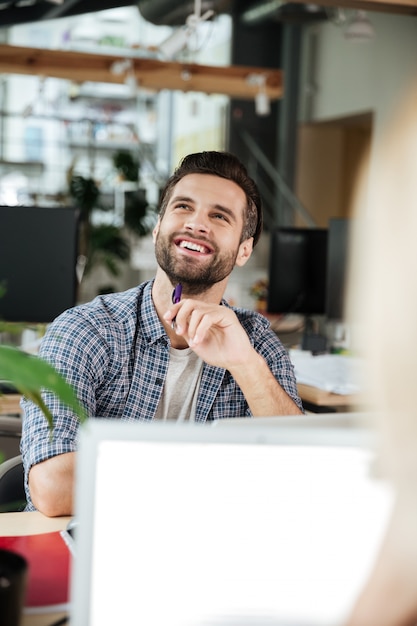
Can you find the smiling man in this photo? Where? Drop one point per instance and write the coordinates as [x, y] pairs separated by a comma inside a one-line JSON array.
[[138, 355]]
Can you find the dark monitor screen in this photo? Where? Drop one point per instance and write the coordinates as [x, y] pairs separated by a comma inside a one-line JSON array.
[[297, 271], [337, 268], [38, 256]]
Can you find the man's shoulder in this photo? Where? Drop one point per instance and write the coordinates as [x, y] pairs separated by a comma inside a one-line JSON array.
[[111, 304], [106, 310], [259, 330], [251, 319]]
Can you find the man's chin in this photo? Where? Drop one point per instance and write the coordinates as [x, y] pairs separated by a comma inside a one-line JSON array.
[[191, 287]]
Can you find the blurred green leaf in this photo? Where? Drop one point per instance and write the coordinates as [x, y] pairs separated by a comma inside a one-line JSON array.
[[127, 164], [30, 375], [108, 246], [140, 217], [86, 193]]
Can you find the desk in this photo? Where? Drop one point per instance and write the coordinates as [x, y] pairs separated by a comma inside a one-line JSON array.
[[10, 404], [32, 523], [320, 399]]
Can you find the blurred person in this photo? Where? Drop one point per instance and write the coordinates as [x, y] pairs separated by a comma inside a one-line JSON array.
[[383, 290]]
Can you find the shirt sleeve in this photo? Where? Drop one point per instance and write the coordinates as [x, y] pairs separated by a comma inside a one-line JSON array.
[[79, 353], [279, 362]]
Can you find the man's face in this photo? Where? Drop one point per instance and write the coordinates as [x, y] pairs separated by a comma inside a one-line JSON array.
[[197, 240]]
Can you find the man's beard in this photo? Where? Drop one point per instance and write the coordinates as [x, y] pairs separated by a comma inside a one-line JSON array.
[[195, 279]]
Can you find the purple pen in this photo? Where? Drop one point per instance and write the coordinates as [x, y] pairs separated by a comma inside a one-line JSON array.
[[176, 294], [176, 297]]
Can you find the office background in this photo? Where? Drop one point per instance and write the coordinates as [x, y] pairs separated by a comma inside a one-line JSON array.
[[339, 94]]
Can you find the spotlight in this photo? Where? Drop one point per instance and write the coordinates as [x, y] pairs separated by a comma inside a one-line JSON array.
[[179, 38], [360, 28], [175, 42]]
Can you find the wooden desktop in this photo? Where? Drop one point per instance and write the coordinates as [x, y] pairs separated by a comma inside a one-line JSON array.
[[314, 398], [318, 400]]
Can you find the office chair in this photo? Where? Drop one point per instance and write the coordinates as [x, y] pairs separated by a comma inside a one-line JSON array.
[[10, 433], [12, 491]]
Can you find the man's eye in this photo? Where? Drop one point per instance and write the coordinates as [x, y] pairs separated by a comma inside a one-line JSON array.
[[220, 216]]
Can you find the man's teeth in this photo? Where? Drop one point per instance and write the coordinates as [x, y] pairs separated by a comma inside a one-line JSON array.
[[192, 246]]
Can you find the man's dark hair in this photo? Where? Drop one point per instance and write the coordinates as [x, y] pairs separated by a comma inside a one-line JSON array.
[[225, 165]]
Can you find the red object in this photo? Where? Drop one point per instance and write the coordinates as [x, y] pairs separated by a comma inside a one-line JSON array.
[[48, 559]]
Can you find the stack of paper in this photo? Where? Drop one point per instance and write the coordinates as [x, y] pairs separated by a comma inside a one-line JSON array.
[[336, 373]]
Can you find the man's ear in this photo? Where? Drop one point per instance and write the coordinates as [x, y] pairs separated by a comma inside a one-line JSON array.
[[156, 230], [244, 252]]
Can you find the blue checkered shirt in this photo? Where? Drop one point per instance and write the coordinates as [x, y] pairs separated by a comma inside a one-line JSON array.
[[115, 353]]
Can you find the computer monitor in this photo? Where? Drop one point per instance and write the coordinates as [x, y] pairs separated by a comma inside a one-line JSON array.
[[38, 256], [192, 525], [298, 271], [338, 250]]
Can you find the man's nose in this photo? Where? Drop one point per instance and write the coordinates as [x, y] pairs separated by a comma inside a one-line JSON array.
[[197, 223]]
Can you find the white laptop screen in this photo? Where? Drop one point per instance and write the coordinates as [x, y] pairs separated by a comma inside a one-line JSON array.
[[191, 526]]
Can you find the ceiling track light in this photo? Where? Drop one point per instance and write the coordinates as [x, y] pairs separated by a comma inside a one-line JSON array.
[[175, 42], [178, 41], [360, 28]]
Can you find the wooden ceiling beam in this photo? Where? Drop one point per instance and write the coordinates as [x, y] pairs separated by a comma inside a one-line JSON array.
[[150, 73]]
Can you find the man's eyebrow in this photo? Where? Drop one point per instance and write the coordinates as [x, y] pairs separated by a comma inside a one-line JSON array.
[[181, 199], [217, 207], [225, 209]]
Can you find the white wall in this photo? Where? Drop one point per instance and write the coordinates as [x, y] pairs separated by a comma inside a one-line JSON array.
[[356, 77]]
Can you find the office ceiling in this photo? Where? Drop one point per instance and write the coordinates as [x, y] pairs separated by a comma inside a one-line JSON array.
[[174, 12], [166, 12]]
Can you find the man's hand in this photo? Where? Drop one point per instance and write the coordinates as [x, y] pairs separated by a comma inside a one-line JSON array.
[[216, 335], [212, 331]]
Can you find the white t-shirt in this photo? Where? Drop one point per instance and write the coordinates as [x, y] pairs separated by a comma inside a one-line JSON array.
[[179, 396]]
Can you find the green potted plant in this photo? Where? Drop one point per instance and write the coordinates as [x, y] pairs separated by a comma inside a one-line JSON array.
[[127, 165], [102, 243], [107, 244], [30, 375], [137, 210]]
